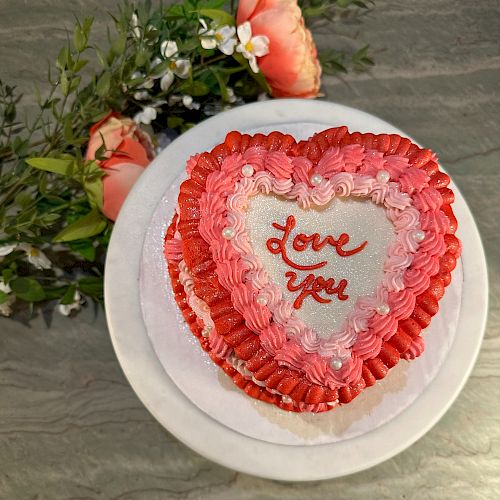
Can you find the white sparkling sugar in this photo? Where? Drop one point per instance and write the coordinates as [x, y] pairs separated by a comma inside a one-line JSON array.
[[360, 219]]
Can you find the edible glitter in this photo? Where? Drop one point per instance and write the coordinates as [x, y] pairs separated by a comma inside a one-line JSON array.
[[360, 219]]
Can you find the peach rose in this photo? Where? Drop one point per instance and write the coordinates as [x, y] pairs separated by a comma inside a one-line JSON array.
[[128, 150], [291, 68]]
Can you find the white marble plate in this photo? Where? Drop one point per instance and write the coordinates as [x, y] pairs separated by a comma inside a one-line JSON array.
[[183, 418]]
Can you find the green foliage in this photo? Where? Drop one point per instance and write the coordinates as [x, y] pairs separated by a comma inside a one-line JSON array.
[[51, 197]]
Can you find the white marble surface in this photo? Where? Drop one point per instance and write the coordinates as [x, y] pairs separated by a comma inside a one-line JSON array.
[[71, 427]]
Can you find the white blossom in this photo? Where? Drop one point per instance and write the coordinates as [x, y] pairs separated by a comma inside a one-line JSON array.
[[34, 255], [231, 98], [177, 66], [146, 116], [67, 309], [169, 48], [148, 83], [207, 38], [7, 249], [134, 22], [141, 95], [166, 80], [222, 38], [5, 309], [251, 47], [186, 100], [4, 287]]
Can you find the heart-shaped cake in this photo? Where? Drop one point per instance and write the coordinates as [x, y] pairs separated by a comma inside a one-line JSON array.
[[308, 269]]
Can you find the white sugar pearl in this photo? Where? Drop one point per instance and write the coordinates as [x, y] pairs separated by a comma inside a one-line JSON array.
[[228, 233], [206, 331], [383, 309], [316, 179], [247, 170], [336, 363], [286, 399], [383, 176], [261, 300], [419, 235]]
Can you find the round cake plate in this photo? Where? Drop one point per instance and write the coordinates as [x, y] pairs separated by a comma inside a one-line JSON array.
[[190, 424]]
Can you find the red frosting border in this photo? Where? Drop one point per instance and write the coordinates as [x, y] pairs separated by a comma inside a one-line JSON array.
[[230, 324]]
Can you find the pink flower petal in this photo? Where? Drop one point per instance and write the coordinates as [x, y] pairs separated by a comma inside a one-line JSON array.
[[117, 184]]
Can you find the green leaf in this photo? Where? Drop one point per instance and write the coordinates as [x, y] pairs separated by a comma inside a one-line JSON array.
[[27, 289], [118, 44], [79, 39], [7, 275], [103, 84], [258, 77], [3, 297], [64, 83], [101, 57], [79, 65], [55, 165], [23, 199], [174, 121], [62, 58], [222, 84], [68, 129], [220, 17], [89, 225], [158, 70], [92, 286], [74, 82], [85, 248], [69, 295], [142, 57], [55, 292], [94, 191], [195, 88]]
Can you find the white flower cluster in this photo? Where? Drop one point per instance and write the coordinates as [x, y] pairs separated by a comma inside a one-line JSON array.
[[177, 67], [225, 40], [37, 258], [34, 256]]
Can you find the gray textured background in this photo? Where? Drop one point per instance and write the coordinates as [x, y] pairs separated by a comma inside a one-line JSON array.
[[70, 425]]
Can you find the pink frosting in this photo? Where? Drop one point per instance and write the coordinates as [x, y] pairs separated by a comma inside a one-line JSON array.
[[191, 163], [173, 249], [302, 167], [413, 180], [272, 339], [411, 206]]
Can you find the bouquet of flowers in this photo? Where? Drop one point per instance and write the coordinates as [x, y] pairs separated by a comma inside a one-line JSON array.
[[65, 173]]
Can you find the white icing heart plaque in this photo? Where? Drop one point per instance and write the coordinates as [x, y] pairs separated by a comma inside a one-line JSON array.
[[308, 270], [361, 270]]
